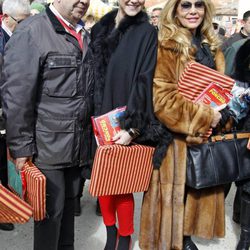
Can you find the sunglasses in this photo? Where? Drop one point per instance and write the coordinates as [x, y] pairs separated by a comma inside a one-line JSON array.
[[186, 6], [154, 16], [17, 21]]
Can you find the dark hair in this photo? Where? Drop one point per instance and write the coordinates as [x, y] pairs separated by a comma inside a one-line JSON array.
[[242, 63], [246, 15], [157, 8], [222, 31]]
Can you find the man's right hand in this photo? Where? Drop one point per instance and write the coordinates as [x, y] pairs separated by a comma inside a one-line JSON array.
[[21, 161]]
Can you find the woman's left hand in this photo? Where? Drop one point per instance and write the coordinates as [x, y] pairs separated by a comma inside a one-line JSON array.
[[122, 137]]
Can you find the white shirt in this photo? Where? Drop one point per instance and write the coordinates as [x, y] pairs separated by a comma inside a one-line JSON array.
[[6, 29], [77, 28]]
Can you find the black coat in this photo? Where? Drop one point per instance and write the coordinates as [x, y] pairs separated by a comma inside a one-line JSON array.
[[124, 63]]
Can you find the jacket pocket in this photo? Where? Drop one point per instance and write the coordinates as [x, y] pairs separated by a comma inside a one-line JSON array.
[[55, 141], [60, 75]]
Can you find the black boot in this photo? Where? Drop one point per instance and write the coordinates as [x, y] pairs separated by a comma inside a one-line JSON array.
[[236, 206], [98, 209], [124, 243], [188, 244], [244, 242], [111, 238], [6, 226]]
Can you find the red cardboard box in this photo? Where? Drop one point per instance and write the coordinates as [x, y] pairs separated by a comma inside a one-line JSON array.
[[121, 169]]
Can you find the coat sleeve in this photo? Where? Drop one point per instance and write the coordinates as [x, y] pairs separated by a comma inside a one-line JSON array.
[[19, 91], [172, 109]]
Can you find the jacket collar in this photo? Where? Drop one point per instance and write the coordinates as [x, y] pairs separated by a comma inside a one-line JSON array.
[[60, 29]]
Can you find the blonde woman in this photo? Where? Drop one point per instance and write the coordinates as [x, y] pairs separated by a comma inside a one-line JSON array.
[[170, 209]]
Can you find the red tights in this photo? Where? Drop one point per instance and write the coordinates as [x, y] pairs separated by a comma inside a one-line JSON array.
[[123, 205]]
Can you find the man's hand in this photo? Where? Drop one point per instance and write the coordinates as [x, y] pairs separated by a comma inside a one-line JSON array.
[[122, 137], [21, 161]]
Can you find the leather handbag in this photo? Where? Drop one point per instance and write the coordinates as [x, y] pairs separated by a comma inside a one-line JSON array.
[[223, 159]]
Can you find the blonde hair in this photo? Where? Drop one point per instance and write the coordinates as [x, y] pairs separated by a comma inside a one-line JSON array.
[[171, 29]]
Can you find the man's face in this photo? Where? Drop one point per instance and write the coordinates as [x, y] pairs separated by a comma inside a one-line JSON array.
[[246, 26], [72, 10], [11, 21], [155, 15]]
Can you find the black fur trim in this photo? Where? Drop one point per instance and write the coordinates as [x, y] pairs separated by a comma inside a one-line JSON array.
[[105, 43]]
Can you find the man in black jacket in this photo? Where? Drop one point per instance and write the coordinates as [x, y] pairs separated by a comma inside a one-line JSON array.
[[14, 11], [244, 32], [47, 104]]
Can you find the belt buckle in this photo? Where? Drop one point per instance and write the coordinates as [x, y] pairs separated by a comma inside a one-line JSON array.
[[223, 137]]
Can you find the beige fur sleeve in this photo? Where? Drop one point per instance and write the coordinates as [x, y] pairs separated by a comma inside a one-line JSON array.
[[171, 108]]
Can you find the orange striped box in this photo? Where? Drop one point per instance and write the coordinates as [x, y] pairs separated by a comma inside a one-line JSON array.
[[196, 77], [36, 190], [12, 208], [121, 169]]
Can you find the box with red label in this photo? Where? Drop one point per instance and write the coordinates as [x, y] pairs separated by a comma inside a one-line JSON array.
[[214, 95], [107, 126]]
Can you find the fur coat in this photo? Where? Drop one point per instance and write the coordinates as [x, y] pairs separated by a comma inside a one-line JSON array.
[[169, 209]]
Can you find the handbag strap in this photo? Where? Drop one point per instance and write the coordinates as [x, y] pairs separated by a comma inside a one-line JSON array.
[[233, 135]]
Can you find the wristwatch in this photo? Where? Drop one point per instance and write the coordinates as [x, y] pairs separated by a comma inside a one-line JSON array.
[[133, 132]]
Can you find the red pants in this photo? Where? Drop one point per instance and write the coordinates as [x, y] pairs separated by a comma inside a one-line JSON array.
[[123, 205]]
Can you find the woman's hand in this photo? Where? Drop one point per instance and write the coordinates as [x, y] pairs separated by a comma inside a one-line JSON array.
[[217, 115], [122, 137]]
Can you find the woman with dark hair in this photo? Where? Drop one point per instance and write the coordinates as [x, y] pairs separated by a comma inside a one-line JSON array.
[[124, 47], [171, 211], [240, 105]]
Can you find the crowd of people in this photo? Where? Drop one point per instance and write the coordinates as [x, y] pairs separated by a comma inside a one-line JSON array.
[[58, 70]]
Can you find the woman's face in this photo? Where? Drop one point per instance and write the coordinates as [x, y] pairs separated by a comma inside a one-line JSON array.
[[190, 13], [131, 7]]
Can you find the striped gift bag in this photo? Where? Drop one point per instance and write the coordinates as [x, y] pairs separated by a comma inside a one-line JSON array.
[[12, 208], [196, 77], [35, 190], [121, 169]]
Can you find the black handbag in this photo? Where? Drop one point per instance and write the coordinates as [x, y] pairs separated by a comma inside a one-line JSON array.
[[223, 159]]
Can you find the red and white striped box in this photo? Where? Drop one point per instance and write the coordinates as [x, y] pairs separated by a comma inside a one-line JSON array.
[[196, 77], [36, 190], [121, 169], [12, 208]]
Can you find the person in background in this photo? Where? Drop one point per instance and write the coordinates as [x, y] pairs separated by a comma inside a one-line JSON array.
[[47, 95], [14, 11], [220, 31], [89, 22], [240, 105], [36, 8], [244, 32], [155, 17], [171, 211], [124, 46]]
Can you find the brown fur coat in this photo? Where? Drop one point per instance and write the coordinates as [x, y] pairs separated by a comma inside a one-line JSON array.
[[165, 216]]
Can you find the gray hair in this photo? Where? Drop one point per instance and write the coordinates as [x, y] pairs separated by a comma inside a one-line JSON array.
[[16, 7]]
